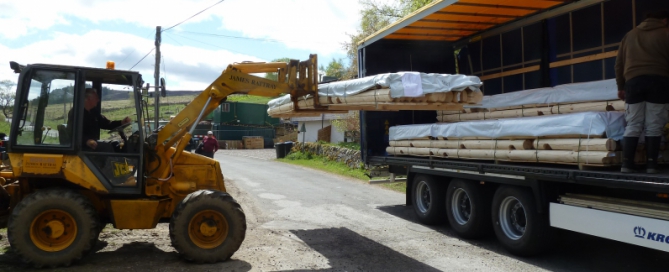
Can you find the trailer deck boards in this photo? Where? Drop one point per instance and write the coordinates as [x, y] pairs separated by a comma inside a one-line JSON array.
[[523, 174]]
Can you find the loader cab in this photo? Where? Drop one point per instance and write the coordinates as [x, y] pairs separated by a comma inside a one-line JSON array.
[[48, 120]]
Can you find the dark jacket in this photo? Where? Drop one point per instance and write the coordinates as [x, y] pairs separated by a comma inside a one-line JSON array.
[[93, 122], [210, 144], [643, 51]]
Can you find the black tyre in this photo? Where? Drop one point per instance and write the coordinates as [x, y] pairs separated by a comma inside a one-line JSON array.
[[518, 225], [207, 226], [428, 199], [53, 227], [468, 208]]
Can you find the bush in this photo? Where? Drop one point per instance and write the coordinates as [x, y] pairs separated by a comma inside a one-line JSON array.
[[298, 155], [354, 146]]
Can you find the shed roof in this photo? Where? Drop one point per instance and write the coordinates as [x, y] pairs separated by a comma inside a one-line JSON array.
[[453, 20]]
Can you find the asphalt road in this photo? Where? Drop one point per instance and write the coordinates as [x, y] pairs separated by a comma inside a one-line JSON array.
[[348, 225], [307, 220]]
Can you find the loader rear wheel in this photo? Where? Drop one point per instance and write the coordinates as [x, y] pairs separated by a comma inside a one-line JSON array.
[[207, 226], [53, 227]]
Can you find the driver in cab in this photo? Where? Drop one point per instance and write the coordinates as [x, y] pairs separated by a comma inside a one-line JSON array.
[[93, 122]]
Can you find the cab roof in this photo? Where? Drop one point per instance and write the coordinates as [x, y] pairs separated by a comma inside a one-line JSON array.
[[108, 76]]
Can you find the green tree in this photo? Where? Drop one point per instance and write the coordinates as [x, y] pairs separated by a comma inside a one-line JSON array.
[[275, 75], [374, 17], [334, 69], [350, 122], [7, 96]]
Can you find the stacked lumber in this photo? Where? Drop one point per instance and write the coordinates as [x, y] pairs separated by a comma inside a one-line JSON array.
[[380, 100], [529, 110], [582, 152], [597, 96], [253, 142], [527, 144]]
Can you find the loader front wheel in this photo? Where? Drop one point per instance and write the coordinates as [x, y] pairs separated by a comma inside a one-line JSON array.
[[53, 227], [207, 226]]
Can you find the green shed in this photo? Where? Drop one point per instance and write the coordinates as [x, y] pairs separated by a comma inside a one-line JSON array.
[[240, 113]]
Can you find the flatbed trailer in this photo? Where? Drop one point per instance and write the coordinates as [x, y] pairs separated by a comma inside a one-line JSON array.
[[522, 203]]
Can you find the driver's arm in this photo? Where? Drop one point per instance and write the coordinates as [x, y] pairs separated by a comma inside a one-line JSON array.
[[106, 124]]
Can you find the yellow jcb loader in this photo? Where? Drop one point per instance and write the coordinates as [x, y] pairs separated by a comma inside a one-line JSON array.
[[56, 196]]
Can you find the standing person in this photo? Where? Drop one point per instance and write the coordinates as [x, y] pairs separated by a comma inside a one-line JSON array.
[[210, 145], [642, 76], [2, 139]]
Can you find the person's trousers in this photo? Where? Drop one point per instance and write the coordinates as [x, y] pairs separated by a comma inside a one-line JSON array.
[[208, 154], [647, 99], [645, 115]]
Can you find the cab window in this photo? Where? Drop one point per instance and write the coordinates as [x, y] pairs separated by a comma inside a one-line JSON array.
[[43, 115]]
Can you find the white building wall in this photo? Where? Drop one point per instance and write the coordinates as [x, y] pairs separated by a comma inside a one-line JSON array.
[[312, 128]]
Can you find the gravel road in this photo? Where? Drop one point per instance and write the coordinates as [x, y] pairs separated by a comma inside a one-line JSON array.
[[302, 219]]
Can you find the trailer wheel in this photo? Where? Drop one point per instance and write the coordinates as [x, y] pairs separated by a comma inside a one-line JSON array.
[[428, 199], [518, 225], [468, 208], [53, 227], [207, 226]]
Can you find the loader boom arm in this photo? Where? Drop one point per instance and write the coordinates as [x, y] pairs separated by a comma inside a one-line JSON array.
[[295, 78]]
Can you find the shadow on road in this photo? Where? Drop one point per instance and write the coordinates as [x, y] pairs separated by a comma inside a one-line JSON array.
[[348, 251], [571, 252], [135, 256]]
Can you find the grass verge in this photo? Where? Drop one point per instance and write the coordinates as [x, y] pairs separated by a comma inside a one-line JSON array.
[[321, 163]]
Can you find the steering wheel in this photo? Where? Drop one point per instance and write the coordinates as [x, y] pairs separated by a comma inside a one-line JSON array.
[[120, 129]]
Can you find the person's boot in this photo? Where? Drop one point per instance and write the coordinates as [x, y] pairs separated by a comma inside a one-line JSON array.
[[652, 152], [629, 150]]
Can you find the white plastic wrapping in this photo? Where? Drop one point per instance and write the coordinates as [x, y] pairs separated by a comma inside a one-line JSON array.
[[402, 84], [583, 123], [567, 93]]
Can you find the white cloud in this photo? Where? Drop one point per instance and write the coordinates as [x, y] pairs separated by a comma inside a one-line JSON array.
[[315, 25], [188, 68], [302, 24], [30, 15]]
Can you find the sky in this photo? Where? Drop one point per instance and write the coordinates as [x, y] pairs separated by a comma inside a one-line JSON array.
[[195, 52]]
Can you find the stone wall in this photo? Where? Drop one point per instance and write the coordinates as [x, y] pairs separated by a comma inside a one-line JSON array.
[[350, 157]]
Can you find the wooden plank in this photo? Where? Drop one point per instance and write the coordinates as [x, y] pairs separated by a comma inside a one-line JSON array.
[[348, 107], [419, 106], [576, 144], [304, 113], [542, 156], [398, 106], [510, 73], [599, 56]]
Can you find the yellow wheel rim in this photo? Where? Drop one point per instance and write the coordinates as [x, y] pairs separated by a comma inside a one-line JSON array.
[[53, 230], [208, 229]]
